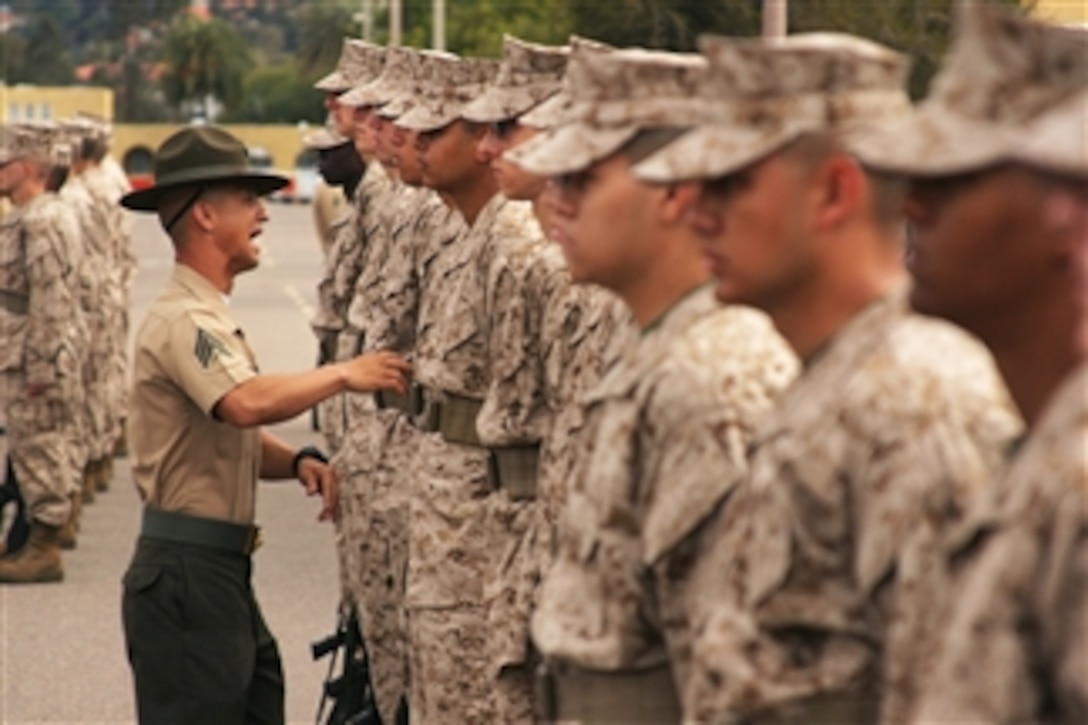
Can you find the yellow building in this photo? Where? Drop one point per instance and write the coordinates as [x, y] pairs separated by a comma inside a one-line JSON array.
[[1070, 12], [20, 103]]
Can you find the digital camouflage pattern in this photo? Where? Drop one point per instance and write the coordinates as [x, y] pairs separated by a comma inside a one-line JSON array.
[[1018, 600], [1011, 89], [529, 74], [897, 424], [663, 443], [44, 343], [758, 96]]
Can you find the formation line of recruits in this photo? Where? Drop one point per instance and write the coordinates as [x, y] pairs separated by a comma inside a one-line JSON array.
[[684, 439], [641, 406], [66, 274]]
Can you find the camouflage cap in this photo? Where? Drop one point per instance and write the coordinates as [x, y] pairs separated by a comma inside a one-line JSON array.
[[401, 67], [326, 137], [762, 95], [446, 87], [610, 98], [1011, 89], [551, 111], [359, 61], [529, 74], [28, 141]]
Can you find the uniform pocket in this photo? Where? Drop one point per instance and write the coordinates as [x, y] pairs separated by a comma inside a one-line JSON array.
[[140, 578]]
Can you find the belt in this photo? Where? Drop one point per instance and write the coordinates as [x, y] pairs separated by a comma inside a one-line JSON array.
[[212, 533], [14, 303], [836, 709], [629, 696], [411, 403], [514, 469], [450, 415]]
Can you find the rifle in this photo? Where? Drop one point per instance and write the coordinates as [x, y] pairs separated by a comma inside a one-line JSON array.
[[350, 692]]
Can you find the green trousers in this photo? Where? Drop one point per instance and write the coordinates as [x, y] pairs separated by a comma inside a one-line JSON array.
[[199, 648]]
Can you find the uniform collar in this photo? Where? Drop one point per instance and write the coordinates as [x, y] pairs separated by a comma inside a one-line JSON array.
[[199, 286]]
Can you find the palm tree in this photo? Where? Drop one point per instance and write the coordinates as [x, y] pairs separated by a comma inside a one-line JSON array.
[[206, 63]]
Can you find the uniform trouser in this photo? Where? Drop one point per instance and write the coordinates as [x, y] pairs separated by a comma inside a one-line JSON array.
[[451, 678], [41, 432], [198, 645]]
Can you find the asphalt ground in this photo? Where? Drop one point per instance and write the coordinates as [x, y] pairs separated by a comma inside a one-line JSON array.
[[62, 654]]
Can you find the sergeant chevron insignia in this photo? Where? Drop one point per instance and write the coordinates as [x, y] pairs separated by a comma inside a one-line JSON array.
[[208, 346]]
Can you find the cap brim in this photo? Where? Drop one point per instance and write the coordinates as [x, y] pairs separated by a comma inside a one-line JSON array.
[[710, 152], [931, 142], [148, 199], [334, 82], [503, 104], [324, 139], [423, 118], [569, 149]]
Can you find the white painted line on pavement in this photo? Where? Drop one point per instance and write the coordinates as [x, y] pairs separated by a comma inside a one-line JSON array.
[[300, 301]]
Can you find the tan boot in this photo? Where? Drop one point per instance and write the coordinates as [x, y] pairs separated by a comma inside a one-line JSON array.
[[70, 530], [105, 474], [88, 485], [37, 562]]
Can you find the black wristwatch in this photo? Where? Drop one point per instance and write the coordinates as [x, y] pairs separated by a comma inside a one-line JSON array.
[[307, 452]]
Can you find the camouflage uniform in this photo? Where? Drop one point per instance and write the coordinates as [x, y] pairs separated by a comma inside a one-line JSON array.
[[44, 343], [421, 224], [663, 444], [454, 538], [98, 430], [990, 618], [895, 425], [1021, 608], [121, 271]]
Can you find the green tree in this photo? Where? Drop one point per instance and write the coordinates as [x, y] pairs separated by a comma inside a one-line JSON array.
[[667, 24], [277, 94], [919, 28], [12, 57], [206, 62], [476, 28], [323, 25], [47, 61]]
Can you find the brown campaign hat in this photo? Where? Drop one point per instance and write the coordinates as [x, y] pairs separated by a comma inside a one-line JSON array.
[[200, 155]]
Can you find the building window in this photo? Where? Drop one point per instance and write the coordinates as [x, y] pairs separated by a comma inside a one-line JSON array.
[[14, 113], [29, 112], [46, 112]]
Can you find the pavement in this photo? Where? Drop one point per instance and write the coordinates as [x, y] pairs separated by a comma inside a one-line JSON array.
[[62, 654]]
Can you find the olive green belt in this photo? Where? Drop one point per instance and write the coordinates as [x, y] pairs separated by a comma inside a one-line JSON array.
[[200, 531], [629, 696], [514, 469], [840, 709], [450, 415]]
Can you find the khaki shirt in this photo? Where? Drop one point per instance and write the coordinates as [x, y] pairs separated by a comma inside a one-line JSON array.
[[189, 354], [896, 424], [329, 204], [1015, 648], [663, 443]]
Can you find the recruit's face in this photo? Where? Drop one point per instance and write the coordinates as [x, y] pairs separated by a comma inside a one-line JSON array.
[[601, 217], [982, 243], [514, 182], [343, 117], [12, 175], [383, 141], [238, 215], [363, 132], [406, 155], [751, 228], [448, 157]]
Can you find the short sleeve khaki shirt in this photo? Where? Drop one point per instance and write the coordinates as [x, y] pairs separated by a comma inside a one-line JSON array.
[[189, 354]]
